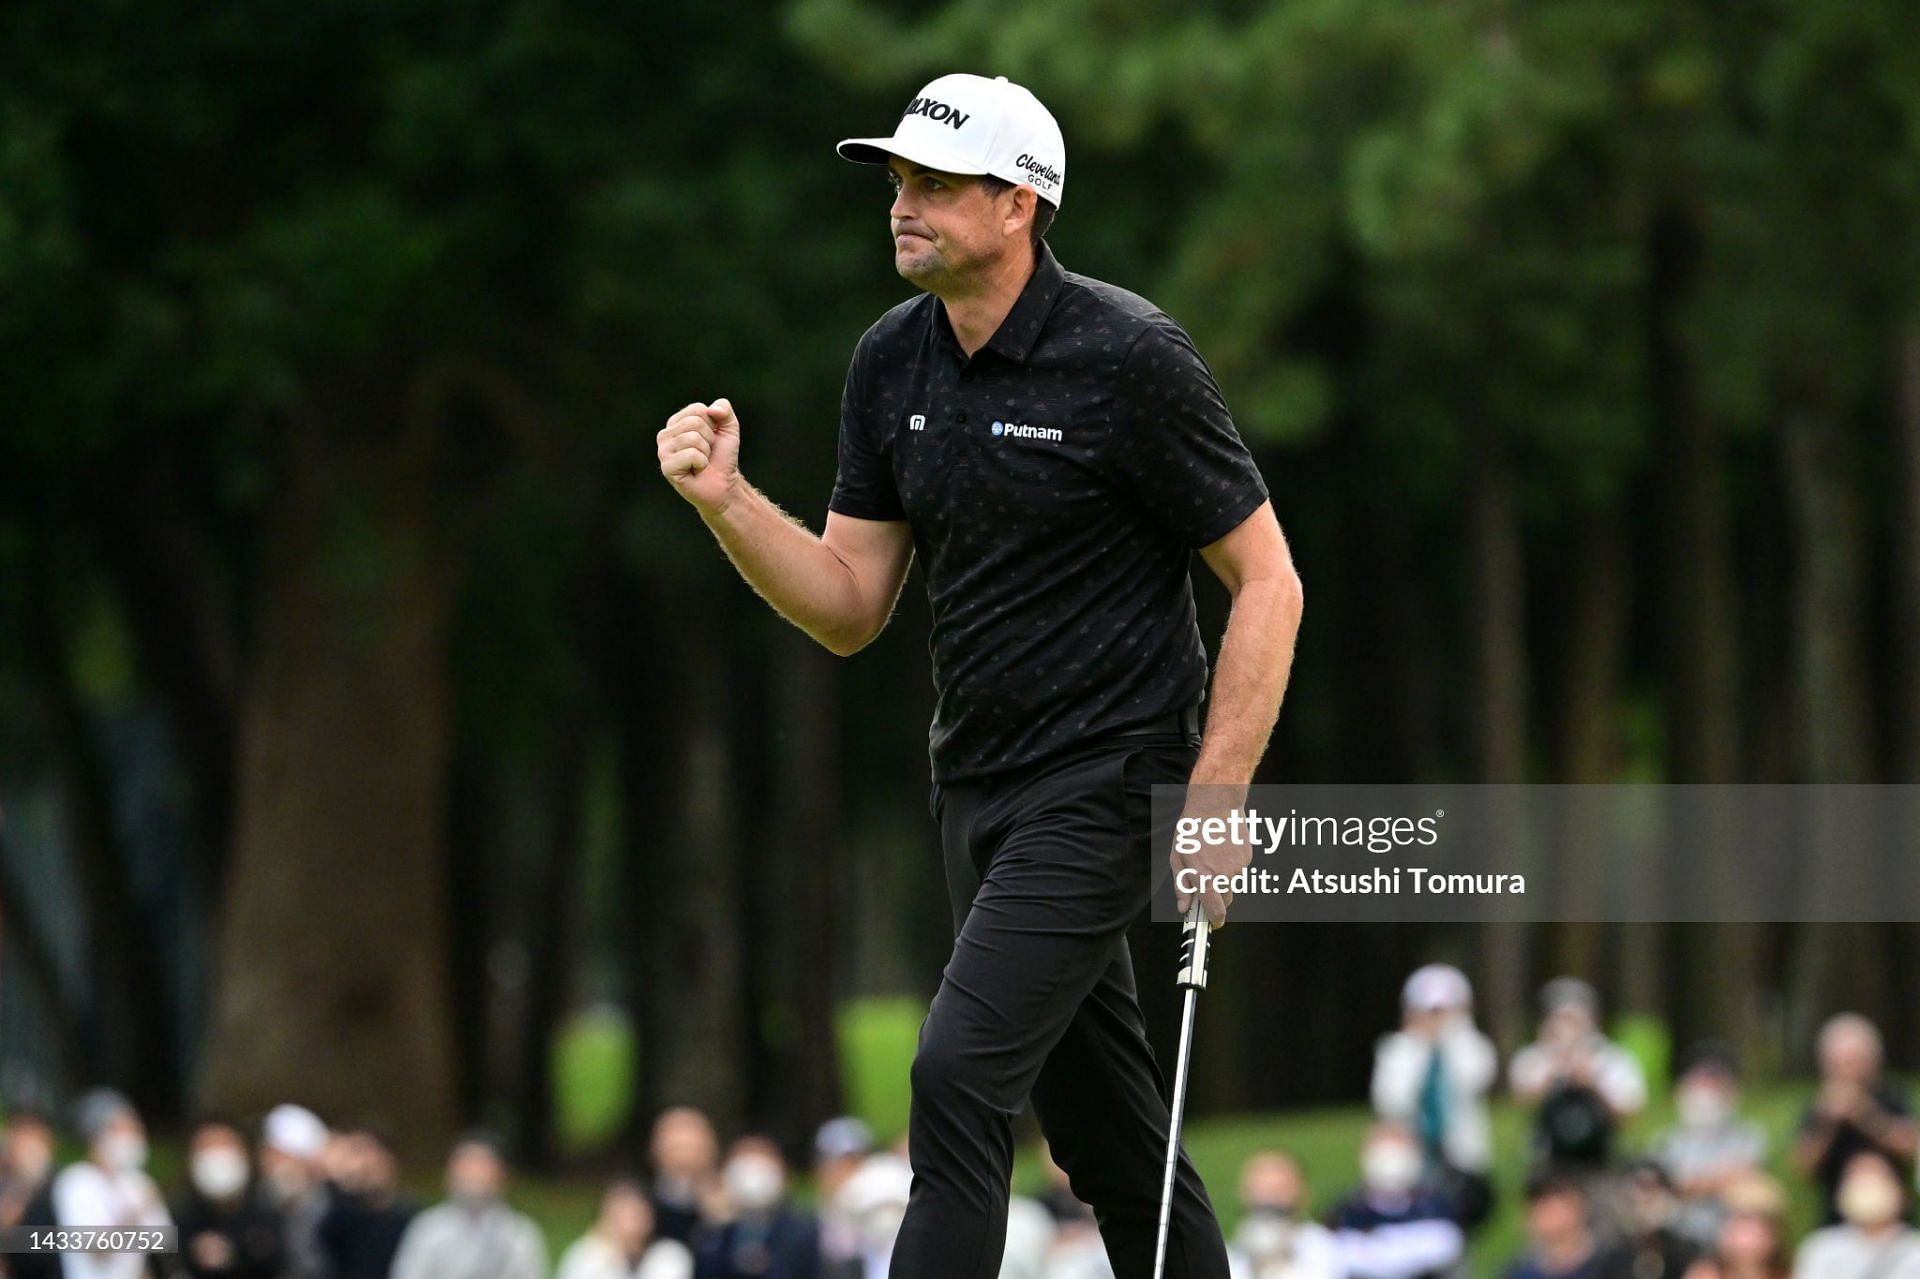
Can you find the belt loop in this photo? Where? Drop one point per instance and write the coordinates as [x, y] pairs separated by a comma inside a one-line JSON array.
[[1190, 720]]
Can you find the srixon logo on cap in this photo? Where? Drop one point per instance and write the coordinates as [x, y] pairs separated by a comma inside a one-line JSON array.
[[940, 111]]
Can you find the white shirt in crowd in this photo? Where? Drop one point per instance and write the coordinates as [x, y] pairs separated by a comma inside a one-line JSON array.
[[1470, 1067], [1613, 1071], [1843, 1252], [85, 1194], [448, 1241], [1400, 1249], [592, 1257]]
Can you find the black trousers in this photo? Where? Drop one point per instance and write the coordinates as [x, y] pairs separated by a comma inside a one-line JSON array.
[[1045, 871]]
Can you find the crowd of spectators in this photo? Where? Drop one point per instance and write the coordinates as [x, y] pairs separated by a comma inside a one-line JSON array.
[[309, 1201], [298, 1199], [1695, 1203]]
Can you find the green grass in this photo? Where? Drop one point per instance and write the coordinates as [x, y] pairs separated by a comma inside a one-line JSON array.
[[594, 1063], [877, 1042]]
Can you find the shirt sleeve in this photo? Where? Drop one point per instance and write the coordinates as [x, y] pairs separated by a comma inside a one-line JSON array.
[[1176, 443], [864, 487], [1396, 1077]]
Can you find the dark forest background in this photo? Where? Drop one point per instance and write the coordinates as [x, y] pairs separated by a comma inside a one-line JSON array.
[[368, 704]]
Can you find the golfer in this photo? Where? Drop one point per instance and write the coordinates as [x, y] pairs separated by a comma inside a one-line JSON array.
[[1054, 449]]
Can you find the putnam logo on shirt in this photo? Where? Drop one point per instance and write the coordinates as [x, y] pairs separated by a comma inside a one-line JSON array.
[[1021, 431]]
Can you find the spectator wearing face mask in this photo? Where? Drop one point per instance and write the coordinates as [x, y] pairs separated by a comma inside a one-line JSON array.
[[368, 1215], [1392, 1227], [1583, 1083], [292, 1143], [1711, 1146], [474, 1231], [1276, 1239], [26, 1190], [109, 1187], [757, 1234], [1752, 1242], [1857, 1109], [1560, 1242], [685, 1155], [226, 1231], [622, 1243], [1871, 1242], [1433, 1076]]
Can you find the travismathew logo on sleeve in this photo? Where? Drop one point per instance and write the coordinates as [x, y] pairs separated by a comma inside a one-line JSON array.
[[940, 111]]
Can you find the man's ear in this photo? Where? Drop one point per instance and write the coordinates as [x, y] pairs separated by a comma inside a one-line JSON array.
[[1020, 214]]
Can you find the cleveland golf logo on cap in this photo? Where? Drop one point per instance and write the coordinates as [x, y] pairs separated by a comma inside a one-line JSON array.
[[1038, 171], [970, 124]]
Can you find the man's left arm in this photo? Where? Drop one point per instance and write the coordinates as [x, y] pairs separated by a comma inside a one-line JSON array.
[[1250, 678], [1184, 458], [1256, 655]]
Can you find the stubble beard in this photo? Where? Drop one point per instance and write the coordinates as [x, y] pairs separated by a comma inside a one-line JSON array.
[[925, 266]]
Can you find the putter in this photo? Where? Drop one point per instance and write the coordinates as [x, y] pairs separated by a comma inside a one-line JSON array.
[[1192, 978]]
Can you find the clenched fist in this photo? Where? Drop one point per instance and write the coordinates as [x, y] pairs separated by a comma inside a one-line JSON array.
[[699, 450]]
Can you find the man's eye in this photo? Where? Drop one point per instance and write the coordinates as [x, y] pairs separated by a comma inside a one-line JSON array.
[[935, 184]]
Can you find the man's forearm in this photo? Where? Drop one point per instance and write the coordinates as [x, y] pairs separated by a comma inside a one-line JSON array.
[[1256, 656], [1896, 1133], [788, 565]]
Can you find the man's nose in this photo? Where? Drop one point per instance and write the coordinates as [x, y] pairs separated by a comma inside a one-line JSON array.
[[902, 205]]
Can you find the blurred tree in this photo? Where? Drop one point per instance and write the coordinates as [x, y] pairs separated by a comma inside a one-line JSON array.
[[332, 306]]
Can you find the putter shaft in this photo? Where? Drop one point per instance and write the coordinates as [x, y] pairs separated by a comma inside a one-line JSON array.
[[1193, 977]]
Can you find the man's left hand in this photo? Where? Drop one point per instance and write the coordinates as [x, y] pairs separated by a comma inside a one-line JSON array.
[[1210, 860]]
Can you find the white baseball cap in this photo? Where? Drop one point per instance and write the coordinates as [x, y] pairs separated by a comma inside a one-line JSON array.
[[295, 1130], [1436, 987], [969, 124]]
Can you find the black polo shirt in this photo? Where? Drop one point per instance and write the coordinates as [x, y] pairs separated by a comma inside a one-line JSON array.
[[1056, 484]]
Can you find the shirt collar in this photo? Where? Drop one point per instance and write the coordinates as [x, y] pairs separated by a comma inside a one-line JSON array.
[[1017, 333]]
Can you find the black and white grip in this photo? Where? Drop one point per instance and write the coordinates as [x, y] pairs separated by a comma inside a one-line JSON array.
[[1193, 949]]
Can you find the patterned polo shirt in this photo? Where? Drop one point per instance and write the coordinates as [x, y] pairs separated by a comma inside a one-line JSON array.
[[1056, 485]]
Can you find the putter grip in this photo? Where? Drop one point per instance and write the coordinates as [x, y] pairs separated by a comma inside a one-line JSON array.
[[1193, 949]]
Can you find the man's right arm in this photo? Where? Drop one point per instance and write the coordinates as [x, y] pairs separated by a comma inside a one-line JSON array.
[[839, 587]]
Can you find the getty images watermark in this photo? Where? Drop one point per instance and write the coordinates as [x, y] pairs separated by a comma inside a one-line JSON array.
[[1629, 853]]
